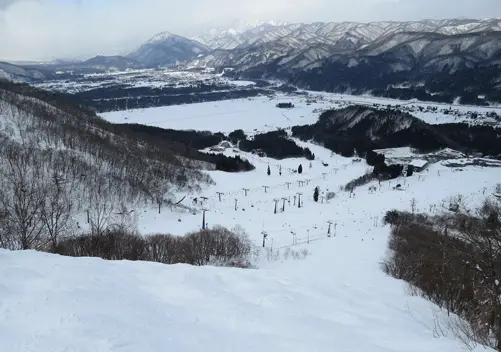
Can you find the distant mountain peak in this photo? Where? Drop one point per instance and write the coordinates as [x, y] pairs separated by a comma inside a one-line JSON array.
[[160, 37]]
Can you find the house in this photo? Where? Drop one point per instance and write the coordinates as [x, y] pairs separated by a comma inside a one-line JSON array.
[[285, 105], [221, 147], [418, 164], [225, 145]]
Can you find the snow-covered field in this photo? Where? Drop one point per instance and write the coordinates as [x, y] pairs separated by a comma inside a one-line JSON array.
[[262, 114], [335, 299], [251, 114]]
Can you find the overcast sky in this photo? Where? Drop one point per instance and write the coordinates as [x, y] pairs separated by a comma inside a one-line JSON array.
[[46, 29]]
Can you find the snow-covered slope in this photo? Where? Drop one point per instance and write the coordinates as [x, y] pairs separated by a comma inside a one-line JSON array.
[[42, 136], [336, 299]]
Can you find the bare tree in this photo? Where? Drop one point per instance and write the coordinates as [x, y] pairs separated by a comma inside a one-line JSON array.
[[57, 212], [100, 214], [161, 190], [22, 197]]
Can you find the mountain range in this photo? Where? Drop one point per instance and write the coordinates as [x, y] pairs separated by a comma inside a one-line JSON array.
[[306, 46], [439, 60], [430, 59]]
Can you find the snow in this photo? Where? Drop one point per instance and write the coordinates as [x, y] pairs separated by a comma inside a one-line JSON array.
[[160, 37], [140, 78], [51, 303]]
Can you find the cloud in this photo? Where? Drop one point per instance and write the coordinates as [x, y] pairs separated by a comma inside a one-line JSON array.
[[45, 29]]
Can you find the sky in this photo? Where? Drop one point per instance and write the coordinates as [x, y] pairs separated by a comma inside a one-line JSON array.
[[50, 29]]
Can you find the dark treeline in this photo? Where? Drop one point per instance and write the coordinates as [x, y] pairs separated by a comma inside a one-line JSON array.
[[64, 102], [381, 171], [277, 145], [454, 260], [187, 138], [188, 142], [114, 92]]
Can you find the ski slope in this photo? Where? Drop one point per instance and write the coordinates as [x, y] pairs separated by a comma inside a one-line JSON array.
[[332, 297], [56, 304]]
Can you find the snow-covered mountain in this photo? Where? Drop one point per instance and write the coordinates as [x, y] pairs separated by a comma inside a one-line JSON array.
[[229, 37], [426, 65], [271, 41], [166, 49]]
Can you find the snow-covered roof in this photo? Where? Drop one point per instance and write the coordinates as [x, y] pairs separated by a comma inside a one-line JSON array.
[[418, 162]]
